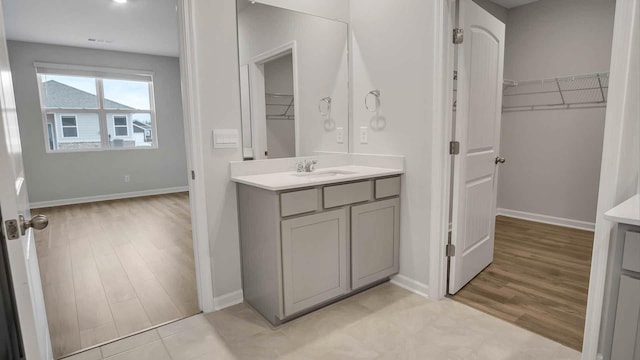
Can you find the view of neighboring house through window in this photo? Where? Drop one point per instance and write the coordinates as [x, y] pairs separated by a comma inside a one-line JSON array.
[[86, 109]]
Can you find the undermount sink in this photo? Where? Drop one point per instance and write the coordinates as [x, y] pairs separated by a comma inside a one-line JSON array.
[[325, 173]]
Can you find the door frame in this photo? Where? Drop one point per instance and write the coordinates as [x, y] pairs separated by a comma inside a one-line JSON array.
[[444, 23], [195, 157], [442, 133], [258, 103]]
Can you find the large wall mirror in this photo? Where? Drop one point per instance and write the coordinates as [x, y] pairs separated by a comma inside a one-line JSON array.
[[294, 82]]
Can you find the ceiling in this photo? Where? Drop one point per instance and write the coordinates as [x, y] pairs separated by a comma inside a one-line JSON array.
[[140, 26], [512, 3]]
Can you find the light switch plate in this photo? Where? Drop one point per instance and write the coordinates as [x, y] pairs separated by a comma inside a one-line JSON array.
[[340, 135], [364, 135], [225, 138]]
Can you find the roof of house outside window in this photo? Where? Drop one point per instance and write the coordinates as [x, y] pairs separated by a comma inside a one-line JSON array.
[[59, 95]]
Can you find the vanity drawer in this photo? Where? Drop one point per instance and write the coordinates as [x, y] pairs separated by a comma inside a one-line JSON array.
[[387, 187], [347, 194], [631, 254], [299, 202]]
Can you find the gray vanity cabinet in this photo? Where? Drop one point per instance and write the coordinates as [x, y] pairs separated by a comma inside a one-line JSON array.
[[303, 248], [375, 238], [314, 259]]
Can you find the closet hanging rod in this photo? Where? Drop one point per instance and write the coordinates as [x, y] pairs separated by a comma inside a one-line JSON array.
[[552, 91], [278, 95], [510, 82]]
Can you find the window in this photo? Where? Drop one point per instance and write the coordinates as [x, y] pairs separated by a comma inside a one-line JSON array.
[[88, 109], [69, 126], [120, 126]]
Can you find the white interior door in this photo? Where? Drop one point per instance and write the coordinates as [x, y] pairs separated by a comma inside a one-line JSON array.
[[23, 260], [480, 67]]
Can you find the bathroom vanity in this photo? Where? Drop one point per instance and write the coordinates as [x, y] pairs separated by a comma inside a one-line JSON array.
[[308, 239], [621, 312]]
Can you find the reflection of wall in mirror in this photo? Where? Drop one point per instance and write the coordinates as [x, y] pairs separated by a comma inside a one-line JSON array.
[[321, 51], [332, 9]]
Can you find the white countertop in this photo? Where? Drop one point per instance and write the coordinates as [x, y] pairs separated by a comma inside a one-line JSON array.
[[291, 180], [626, 213]]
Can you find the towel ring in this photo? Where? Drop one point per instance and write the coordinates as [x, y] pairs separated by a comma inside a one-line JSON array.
[[326, 113], [376, 94]]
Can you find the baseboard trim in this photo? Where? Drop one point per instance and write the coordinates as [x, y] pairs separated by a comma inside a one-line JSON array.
[[88, 199], [411, 285], [227, 300], [545, 219]]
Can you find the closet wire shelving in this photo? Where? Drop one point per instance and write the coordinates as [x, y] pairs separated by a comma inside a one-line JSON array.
[[279, 106], [581, 91]]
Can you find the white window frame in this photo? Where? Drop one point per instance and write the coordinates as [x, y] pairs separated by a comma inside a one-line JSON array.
[[63, 126], [126, 125], [98, 74]]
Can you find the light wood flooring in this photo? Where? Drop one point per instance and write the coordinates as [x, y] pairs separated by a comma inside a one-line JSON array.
[[538, 280], [113, 268]]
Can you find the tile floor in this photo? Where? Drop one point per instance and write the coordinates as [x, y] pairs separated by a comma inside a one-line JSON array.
[[385, 322], [113, 268]]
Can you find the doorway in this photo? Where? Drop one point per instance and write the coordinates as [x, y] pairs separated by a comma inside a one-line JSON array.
[[273, 118], [530, 265], [105, 158]]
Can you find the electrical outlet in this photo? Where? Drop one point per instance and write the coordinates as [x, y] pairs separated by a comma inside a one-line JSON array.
[[127, 178], [364, 135], [340, 135]]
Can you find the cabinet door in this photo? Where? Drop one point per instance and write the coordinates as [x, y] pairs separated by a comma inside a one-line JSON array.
[[375, 240], [626, 332], [314, 259]]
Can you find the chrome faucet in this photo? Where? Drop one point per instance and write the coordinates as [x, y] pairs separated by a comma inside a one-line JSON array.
[[306, 165]]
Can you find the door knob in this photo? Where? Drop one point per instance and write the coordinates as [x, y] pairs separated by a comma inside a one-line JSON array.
[[500, 160], [38, 222]]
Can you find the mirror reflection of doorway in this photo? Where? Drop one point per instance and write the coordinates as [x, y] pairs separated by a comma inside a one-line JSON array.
[[280, 107]]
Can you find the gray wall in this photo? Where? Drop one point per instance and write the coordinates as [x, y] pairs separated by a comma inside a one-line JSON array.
[[553, 157], [58, 176]]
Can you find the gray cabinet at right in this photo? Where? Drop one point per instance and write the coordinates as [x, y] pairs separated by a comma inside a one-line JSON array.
[[375, 241]]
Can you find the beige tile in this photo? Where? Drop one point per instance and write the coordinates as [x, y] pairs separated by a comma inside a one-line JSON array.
[[93, 354], [152, 351], [197, 323], [238, 322], [190, 344], [129, 343], [155, 301], [129, 317], [98, 335]]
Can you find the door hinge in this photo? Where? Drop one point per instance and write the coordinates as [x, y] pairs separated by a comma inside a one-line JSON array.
[[454, 147], [193, 175], [455, 74], [13, 230], [458, 36], [450, 250]]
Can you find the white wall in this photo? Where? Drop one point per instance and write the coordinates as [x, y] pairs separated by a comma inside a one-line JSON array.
[[392, 51], [218, 107], [332, 9], [553, 157], [322, 67], [62, 176]]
